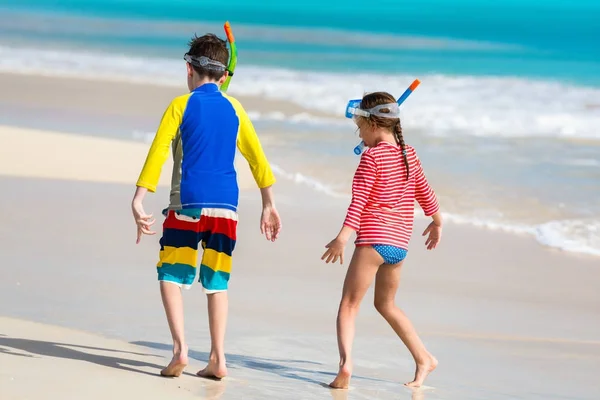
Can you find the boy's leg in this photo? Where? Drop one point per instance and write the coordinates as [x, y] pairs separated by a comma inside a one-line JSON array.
[[176, 269], [217, 321], [363, 267], [386, 285], [173, 303], [220, 227]]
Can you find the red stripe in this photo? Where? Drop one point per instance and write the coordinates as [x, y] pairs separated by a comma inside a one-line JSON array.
[[221, 225], [173, 223]]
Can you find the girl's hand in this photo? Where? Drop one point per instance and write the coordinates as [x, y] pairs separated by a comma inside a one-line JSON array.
[[335, 250], [435, 235]]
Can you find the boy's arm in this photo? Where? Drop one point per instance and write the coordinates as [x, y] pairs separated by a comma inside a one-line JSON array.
[[157, 155], [142, 220], [159, 150], [250, 147], [270, 222]]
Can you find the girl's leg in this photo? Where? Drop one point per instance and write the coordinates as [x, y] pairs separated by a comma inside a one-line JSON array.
[[359, 277], [173, 303], [386, 285]]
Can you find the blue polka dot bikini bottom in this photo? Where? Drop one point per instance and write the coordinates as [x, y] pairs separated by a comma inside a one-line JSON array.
[[390, 254]]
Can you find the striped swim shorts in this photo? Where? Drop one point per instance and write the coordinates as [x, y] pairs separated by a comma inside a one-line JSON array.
[[183, 231]]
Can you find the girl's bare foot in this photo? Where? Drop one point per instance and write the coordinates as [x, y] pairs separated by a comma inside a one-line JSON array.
[[177, 364], [422, 371], [216, 369], [342, 380]]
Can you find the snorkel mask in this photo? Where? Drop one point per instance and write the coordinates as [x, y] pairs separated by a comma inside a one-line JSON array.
[[353, 109], [204, 62]]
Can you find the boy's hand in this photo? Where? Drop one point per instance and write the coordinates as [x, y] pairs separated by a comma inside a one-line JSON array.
[[335, 250], [270, 223], [142, 220], [435, 235]]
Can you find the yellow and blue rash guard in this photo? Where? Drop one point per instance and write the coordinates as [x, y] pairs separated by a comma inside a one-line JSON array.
[[204, 128]]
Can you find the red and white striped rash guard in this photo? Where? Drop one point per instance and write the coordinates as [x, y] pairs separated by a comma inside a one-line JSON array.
[[383, 200]]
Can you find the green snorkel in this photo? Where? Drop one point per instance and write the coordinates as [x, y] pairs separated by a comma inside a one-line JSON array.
[[232, 57]]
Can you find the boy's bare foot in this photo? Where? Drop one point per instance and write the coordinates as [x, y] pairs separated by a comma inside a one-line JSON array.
[[177, 365], [422, 371], [216, 369], [342, 380]]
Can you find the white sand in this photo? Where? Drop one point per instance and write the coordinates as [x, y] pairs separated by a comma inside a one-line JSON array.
[[55, 155], [39, 361]]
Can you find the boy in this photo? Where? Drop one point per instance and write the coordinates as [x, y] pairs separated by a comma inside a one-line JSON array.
[[204, 127]]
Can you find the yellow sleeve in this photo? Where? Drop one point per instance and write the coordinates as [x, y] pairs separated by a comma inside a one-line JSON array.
[[251, 148], [159, 150]]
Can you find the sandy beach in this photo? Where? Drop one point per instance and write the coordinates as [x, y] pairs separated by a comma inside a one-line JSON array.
[[79, 302], [72, 364]]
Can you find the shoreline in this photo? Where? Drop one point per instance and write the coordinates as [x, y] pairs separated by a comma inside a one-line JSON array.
[[156, 99], [469, 299], [97, 107], [90, 154]]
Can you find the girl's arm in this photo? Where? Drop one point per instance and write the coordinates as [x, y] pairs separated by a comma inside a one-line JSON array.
[[437, 218], [428, 201], [425, 195], [364, 178]]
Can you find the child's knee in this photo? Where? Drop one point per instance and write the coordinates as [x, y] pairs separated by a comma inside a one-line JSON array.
[[350, 303], [384, 306]]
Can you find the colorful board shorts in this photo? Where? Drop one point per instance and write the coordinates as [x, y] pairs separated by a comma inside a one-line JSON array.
[[183, 230], [391, 254]]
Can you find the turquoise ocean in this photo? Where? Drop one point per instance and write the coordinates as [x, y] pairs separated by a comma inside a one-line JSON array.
[[506, 119]]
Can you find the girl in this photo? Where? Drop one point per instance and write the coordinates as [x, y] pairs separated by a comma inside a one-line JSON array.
[[388, 180]]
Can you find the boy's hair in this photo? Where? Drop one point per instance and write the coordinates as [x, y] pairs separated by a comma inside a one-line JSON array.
[[212, 47], [393, 124]]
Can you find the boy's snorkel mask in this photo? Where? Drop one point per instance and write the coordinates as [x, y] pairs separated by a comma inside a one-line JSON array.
[[353, 109], [204, 62]]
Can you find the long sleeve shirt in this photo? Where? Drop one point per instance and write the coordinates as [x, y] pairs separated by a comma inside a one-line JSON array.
[[383, 199], [203, 129]]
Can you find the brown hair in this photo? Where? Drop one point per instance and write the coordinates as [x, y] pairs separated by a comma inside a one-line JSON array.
[[211, 46], [392, 124]]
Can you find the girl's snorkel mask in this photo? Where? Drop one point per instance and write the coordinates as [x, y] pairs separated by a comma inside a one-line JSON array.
[[353, 109]]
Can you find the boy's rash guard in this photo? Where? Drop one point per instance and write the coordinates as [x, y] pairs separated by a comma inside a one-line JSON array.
[[204, 128]]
